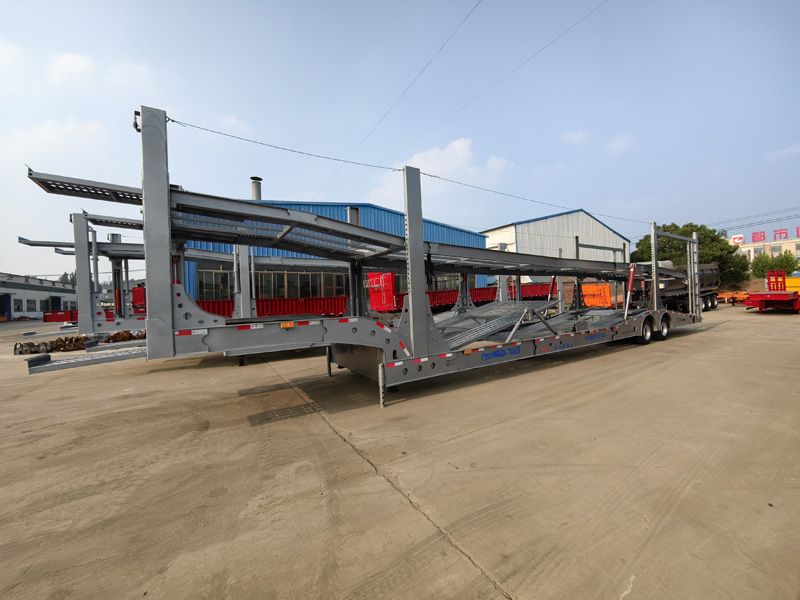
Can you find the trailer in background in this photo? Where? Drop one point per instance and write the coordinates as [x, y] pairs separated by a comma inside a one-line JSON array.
[[776, 297]]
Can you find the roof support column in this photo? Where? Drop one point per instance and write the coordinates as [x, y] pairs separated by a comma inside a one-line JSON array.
[[415, 262], [157, 233]]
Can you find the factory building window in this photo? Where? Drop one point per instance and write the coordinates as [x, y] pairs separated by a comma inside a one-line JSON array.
[[215, 285], [17, 304], [31, 306], [44, 304], [218, 285], [448, 281]]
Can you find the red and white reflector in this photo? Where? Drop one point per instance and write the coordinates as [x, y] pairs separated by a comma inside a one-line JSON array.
[[191, 332], [394, 364], [249, 327]]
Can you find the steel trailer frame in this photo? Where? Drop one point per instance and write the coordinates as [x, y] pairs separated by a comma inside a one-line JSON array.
[[416, 346]]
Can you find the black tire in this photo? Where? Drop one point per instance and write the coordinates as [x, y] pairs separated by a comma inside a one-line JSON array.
[[714, 302], [663, 330], [705, 303], [646, 334]]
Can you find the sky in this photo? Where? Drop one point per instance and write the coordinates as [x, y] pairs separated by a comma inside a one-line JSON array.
[[679, 111]]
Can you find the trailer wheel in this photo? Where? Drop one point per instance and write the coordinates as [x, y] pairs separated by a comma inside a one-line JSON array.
[[714, 302], [705, 303], [646, 334], [663, 330]]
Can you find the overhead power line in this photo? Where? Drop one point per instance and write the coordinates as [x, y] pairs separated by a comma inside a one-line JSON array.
[[504, 77], [477, 187], [400, 97], [757, 223], [766, 214], [244, 139]]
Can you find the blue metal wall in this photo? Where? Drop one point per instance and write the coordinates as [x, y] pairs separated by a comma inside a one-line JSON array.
[[371, 216]]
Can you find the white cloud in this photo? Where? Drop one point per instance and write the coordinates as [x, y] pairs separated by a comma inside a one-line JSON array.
[[50, 138], [70, 66], [127, 75], [620, 143], [783, 153], [442, 200], [574, 137], [234, 124], [10, 53]]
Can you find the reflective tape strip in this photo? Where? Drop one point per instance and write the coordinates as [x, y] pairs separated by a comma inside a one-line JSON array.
[[539, 340], [418, 360], [518, 343], [347, 320], [445, 355], [309, 322], [192, 332], [403, 346], [248, 327], [384, 327], [394, 364]]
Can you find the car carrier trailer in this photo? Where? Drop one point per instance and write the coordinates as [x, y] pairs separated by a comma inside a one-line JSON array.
[[413, 347]]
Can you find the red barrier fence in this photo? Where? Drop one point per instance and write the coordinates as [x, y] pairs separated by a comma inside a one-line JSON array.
[[272, 307], [59, 316], [383, 298], [223, 308]]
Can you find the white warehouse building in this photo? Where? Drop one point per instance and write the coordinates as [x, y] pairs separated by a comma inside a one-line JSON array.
[[545, 236], [26, 296]]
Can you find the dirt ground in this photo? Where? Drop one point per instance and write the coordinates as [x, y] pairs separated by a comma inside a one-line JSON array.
[[623, 472]]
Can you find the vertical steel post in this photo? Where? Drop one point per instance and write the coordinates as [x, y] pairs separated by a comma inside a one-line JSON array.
[[655, 291], [126, 295], [157, 233], [355, 273], [256, 193], [83, 278], [382, 383], [415, 262], [560, 284], [694, 268], [95, 262]]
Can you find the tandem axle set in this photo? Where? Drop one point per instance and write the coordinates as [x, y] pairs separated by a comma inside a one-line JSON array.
[[415, 345]]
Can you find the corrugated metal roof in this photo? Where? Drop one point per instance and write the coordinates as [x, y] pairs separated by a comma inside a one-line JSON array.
[[568, 212]]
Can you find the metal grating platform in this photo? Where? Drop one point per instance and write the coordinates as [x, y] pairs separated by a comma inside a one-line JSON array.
[[43, 363], [485, 321]]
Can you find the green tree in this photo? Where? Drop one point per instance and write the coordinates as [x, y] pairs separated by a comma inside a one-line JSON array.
[[68, 278], [713, 248], [785, 262], [761, 264]]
